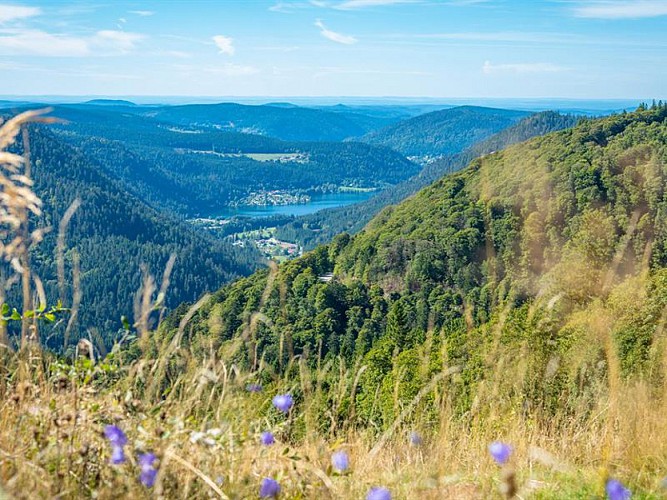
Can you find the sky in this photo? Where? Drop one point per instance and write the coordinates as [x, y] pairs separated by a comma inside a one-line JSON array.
[[583, 49]]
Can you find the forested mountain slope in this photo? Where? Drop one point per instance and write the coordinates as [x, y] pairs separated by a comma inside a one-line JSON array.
[[444, 132], [514, 254], [165, 165], [114, 232], [321, 227]]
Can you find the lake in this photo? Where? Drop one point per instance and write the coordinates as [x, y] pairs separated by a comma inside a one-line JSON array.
[[317, 203]]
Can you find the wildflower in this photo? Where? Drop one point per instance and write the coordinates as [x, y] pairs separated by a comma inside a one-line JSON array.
[[500, 452], [267, 438], [115, 436], [616, 491], [117, 455], [148, 471], [378, 493], [340, 461], [283, 402], [269, 488], [253, 388], [415, 438], [118, 439]]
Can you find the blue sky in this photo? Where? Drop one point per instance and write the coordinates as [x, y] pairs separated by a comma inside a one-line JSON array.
[[422, 48]]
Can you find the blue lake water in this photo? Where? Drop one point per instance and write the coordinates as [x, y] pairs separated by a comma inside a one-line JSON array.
[[317, 203]]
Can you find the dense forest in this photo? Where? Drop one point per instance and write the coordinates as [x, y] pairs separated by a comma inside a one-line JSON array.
[[164, 166], [443, 132], [321, 227], [113, 233], [512, 252]]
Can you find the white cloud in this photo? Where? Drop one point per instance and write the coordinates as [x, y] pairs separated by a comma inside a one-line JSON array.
[[504, 36], [30, 42], [225, 44], [13, 12], [489, 68], [227, 70], [621, 9], [117, 40], [41, 43], [142, 13], [360, 4], [333, 36], [232, 70]]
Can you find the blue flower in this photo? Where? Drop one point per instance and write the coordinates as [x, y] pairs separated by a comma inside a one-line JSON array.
[[500, 452], [340, 461], [378, 493], [616, 491], [253, 388], [269, 488], [283, 402], [415, 438], [266, 438], [148, 471], [117, 455], [115, 436]]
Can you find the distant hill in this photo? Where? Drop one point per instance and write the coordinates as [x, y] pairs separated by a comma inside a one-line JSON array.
[[444, 132], [290, 123], [109, 102]]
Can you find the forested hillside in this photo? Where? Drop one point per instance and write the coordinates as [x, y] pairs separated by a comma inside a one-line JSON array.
[[321, 227], [517, 253], [165, 165], [443, 132], [113, 233]]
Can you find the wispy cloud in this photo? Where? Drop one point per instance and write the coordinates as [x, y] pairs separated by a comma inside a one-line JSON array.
[[232, 70], [225, 44], [142, 13], [226, 70], [540, 67], [117, 40], [503, 36], [14, 12], [361, 4], [334, 70], [621, 9], [333, 36], [31, 42]]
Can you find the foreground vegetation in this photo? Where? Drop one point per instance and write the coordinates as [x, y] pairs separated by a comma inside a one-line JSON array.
[[519, 302]]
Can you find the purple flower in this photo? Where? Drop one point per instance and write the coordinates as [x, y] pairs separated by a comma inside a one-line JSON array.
[[500, 452], [253, 388], [115, 436], [148, 471], [415, 438], [340, 461], [266, 438], [147, 477], [616, 491], [147, 459], [117, 455], [378, 493], [269, 488], [283, 402]]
